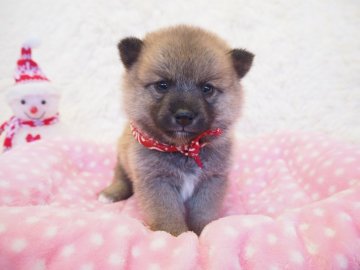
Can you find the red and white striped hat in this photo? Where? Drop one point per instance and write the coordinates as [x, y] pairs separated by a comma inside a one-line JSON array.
[[29, 79]]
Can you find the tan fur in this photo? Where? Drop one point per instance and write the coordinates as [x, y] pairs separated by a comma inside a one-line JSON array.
[[188, 57]]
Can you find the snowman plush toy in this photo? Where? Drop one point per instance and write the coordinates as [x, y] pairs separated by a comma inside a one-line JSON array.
[[34, 102]]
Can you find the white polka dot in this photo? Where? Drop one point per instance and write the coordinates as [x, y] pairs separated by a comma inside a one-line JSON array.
[[331, 189], [107, 216], [353, 182], [177, 252], [157, 244], [327, 163], [318, 212], [249, 181], [135, 252], [154, 266], [4, 184], [18, 245], [87, 266], [329, 232], [312, 248], [339, 172], [298, 195], [320, 180], [349, 160], [236, 167], [309, 145], [122, 230], [2, 228], [66, 147], [51, 231], [39, 265], [80, 222], [315, 154], [63, 213], [115, 259], [272, 239], [106, 162], [97, 239], [290, 230], [305, 167], [230, 231], [315, 196], [345, 217], [304, 226], [249, 251], [256, 159], [32, 220], [247, 222], [312, 173], [341, 261], [296, 257], [92, 164], [7, 199], [274, 267], [68, 250], [277, 151], [21, 177]]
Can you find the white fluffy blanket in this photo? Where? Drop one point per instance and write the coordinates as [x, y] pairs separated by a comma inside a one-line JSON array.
[[305, 75]]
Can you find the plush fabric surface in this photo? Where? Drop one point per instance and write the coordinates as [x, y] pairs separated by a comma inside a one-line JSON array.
[[293, 203]]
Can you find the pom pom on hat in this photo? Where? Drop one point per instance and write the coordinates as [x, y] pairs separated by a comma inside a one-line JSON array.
[[32, 42], [29, 79]]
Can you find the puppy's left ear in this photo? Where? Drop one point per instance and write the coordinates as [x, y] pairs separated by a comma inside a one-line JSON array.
[[129, 50], [242, 61]]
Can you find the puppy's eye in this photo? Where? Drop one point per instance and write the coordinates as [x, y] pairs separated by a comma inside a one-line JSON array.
[[43, 102], [162, 86], [23, 102], [207, 89]]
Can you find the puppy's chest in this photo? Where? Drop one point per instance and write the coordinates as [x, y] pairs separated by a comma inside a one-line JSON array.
[[188, 185]]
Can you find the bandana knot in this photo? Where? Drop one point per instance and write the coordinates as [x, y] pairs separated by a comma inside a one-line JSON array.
[[190, 150]]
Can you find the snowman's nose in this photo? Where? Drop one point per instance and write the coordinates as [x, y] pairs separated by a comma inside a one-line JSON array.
[[33, 110]]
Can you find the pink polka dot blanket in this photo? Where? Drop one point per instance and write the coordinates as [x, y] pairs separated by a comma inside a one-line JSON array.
[[293, 203]]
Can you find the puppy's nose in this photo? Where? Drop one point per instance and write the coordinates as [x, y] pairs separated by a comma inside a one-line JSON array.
[[184, 117], [34, 110]]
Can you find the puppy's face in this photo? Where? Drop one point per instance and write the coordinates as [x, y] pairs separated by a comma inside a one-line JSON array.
[[182, 81]]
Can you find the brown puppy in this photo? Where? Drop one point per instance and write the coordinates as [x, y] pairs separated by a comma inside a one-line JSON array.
[[179, 83]]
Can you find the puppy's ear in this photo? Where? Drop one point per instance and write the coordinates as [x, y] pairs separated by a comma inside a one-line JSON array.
[[129, 49], [242, 61]]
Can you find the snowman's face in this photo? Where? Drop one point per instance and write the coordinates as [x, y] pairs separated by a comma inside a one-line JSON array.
[[35, 107]]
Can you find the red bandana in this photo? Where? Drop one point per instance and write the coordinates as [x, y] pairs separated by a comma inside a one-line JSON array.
[[14, 124], [191, 150]]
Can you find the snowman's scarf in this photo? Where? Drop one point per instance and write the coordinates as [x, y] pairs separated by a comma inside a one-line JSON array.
[[12, 126]]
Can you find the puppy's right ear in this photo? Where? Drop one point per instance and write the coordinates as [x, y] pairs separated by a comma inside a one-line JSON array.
[[129, 49]]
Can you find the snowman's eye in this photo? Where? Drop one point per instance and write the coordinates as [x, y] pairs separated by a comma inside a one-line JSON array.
[[23, 102], [43, 102]]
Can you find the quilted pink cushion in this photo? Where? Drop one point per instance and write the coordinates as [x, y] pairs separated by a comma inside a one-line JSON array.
[[293, 203]]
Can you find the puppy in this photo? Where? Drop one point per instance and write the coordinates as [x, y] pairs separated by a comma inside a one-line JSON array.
[[182, 96]]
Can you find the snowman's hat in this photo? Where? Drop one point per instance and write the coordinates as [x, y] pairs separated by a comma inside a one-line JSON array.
[[29, 79]]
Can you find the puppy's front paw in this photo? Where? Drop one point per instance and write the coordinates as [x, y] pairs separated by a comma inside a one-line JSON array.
[[104, 198]]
